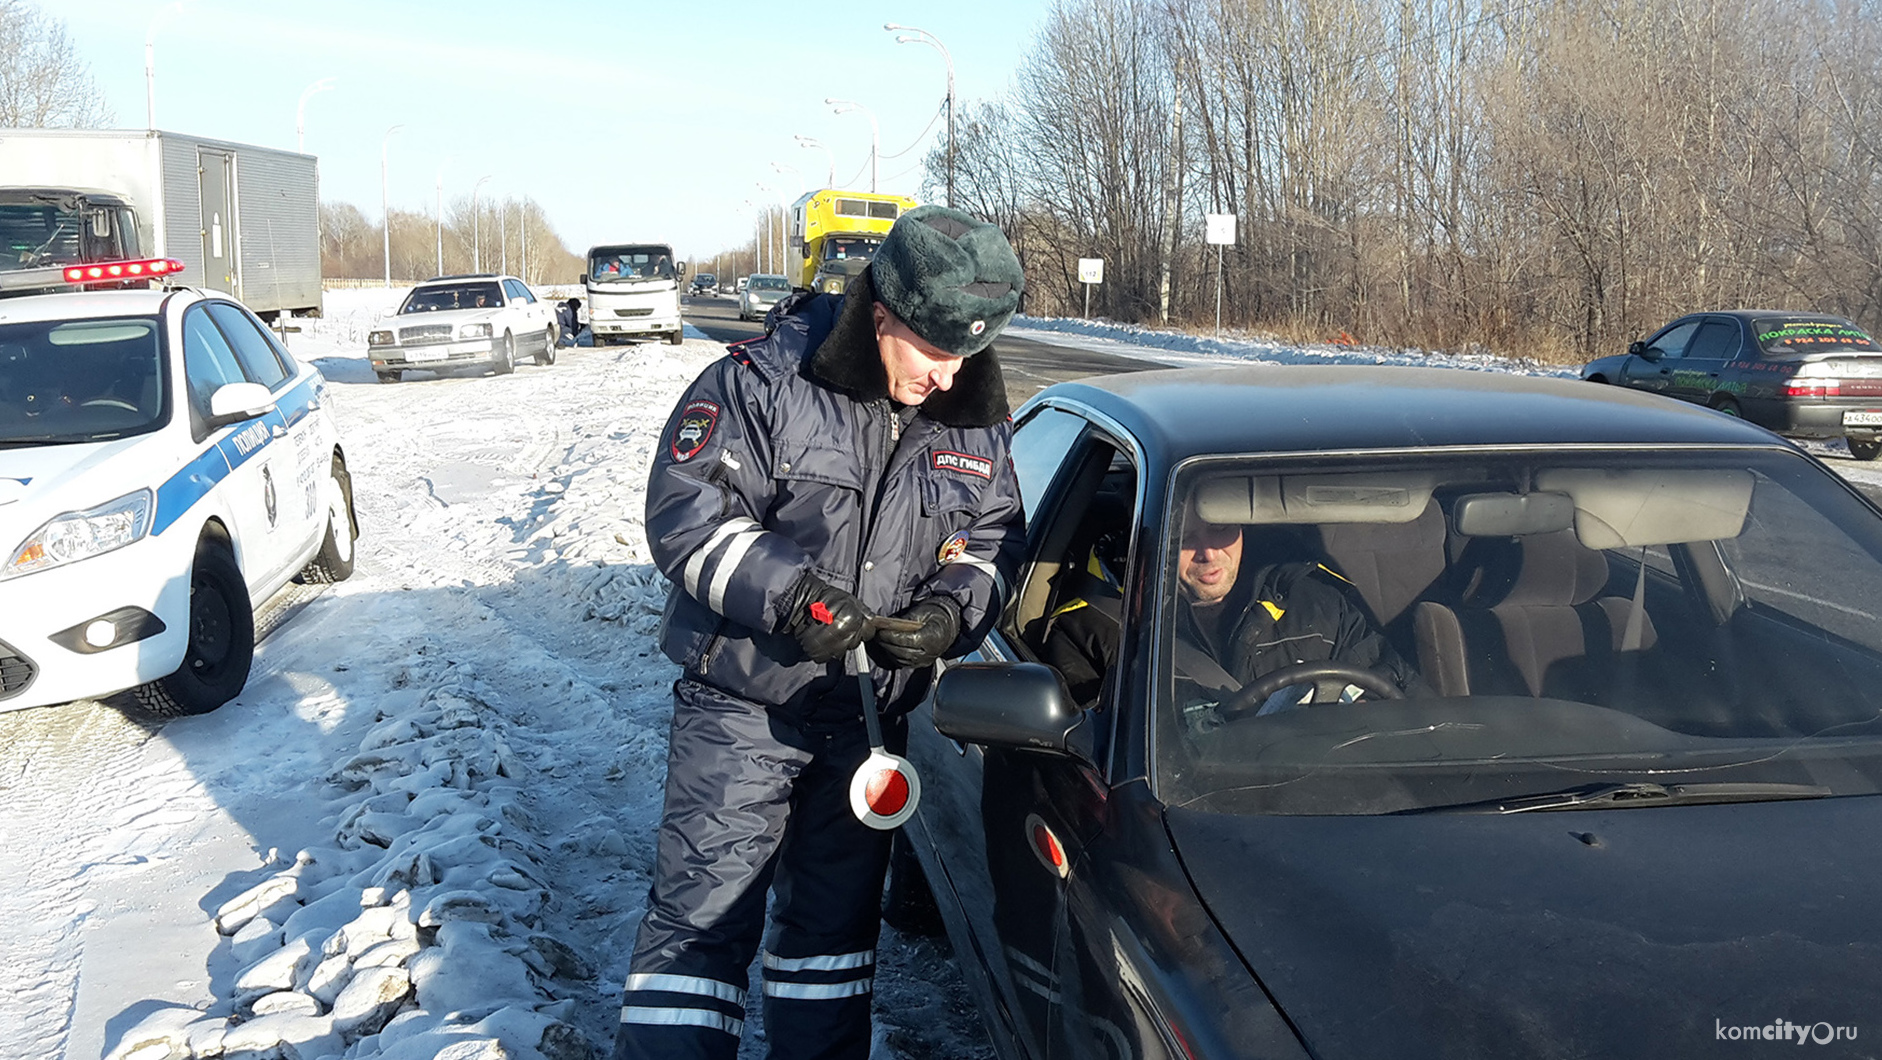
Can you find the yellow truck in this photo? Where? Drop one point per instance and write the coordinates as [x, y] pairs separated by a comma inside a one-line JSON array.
[[835, 233]]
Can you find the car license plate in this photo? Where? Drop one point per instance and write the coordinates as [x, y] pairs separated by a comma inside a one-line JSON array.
[[421, 356], [1863, 418]]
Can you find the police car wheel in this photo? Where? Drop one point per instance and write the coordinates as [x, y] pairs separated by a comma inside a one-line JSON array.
[[221, 640], [506, 355], [547, 356], [908, 905], [334, 561]]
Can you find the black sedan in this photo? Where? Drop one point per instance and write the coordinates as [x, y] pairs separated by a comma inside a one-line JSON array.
[[1624, 806], [1800, 374]]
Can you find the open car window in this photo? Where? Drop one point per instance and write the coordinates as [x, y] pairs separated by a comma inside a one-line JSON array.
[[1674, 621]]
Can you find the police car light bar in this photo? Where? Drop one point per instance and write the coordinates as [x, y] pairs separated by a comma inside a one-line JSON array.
[[52, 277], [122, 270]]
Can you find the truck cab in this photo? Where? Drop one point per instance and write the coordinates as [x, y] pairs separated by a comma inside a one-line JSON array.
[[834, 234], [49, 228], [633, 292]]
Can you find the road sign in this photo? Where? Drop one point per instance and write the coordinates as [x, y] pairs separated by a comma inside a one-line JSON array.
[[1219, 228], [1090, 270]]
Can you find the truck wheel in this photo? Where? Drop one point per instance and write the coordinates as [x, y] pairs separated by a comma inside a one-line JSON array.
[[674, 338], [908, 905], [506, 355], [221, 640], [547, 356], [1864, 448], [390, 377], [334, 561]]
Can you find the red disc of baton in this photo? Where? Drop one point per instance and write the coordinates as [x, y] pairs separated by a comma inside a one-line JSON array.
[[884, 790]]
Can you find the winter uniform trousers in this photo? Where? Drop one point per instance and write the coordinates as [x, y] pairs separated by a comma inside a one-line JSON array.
[[755, 800]]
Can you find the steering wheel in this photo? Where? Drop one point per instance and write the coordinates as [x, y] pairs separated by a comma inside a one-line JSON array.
[[112, 403], [1329, 680]]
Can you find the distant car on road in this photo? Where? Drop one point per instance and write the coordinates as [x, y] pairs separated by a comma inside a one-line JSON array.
[[455, 321], [705, 283], [1649, 643], [165, 467], [763, 291], [1806, 375]]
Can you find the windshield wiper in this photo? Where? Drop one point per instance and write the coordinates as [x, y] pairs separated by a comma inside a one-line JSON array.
[[1623, 796]]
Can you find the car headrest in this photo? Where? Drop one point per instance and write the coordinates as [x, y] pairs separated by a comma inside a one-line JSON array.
[[1534, 571]]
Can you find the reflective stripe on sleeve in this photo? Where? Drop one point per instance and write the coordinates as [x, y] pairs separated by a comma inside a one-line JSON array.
[[835, 962], [999, 582], [820, 991], [683, 1017], [728, 565], [696, 566]]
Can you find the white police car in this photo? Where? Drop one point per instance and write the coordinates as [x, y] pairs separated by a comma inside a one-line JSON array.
[[165, 466]]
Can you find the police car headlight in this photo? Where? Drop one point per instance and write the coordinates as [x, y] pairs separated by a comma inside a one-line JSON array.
[[379, 338], [474, 331], [81, 535]]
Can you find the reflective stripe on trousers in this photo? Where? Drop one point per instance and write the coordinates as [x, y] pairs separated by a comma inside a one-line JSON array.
[[754, 803]]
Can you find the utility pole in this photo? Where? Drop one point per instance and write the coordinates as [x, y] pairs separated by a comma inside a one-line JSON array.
[[930, 39], [385, 210]]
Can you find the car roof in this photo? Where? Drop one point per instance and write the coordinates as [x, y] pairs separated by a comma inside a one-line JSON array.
[[1179, 413], [78, 305], [467, 276], [1748, 314]]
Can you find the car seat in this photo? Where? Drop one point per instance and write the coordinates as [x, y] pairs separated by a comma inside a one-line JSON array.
[[1530, 621]]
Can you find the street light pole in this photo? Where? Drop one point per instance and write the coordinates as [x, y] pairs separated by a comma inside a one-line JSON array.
[[300, 112], [440, 218], [926, 37], [150, 60], [385, 210], [806, 141], [477, 228], [522, 228], [503, 240], [844, 106]]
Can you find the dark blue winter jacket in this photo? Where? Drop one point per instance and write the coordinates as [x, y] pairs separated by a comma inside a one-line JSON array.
[[786, 456]]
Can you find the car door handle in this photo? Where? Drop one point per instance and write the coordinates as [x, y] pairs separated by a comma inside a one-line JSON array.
[[278, 431]]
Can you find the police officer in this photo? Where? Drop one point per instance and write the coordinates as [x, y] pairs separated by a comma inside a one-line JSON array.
[[852, 463]]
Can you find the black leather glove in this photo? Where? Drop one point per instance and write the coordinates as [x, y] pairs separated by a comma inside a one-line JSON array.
[[825, 620], [940, 619]]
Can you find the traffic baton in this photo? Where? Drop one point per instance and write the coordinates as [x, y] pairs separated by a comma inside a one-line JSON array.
[[885, 788]]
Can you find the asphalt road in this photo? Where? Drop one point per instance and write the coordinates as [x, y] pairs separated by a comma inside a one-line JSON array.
[[1029, 366]]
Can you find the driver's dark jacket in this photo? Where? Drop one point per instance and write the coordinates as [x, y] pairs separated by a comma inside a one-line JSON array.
[[800, 469], [1291, 613], [1275, 616]]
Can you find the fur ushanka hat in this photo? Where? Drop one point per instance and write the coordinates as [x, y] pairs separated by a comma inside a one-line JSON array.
[[952, 279]]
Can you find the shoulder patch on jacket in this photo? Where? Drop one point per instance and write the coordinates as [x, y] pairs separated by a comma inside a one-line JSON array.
[[978, 466], [694, 428]]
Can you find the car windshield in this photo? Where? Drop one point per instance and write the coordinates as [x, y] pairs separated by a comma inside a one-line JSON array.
[[432, 299], [630, 264], [1783, 335], [1575, 628], [705, 279], [67, 381], [774, 284], [845, 247]]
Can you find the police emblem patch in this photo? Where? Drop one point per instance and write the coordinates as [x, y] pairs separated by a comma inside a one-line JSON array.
[[694, 429], [977, 466], [267, 493], [953, 548]]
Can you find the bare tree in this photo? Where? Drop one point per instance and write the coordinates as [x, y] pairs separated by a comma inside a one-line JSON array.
[[42, 82]]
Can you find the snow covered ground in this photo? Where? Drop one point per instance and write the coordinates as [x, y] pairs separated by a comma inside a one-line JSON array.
[[425, 828]]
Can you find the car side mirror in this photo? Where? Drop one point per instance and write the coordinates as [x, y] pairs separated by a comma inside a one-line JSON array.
[[238, 401], [1023, 706], [1645, 352]]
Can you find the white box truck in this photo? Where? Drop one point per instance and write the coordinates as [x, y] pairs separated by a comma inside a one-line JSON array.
[[242, 219], [633, 292]]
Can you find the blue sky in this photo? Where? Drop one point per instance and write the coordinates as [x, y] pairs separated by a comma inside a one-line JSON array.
[[625, 119]]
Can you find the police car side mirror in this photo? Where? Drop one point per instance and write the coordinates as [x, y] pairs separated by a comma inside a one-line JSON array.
[[238, 401], [1023, 706]]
